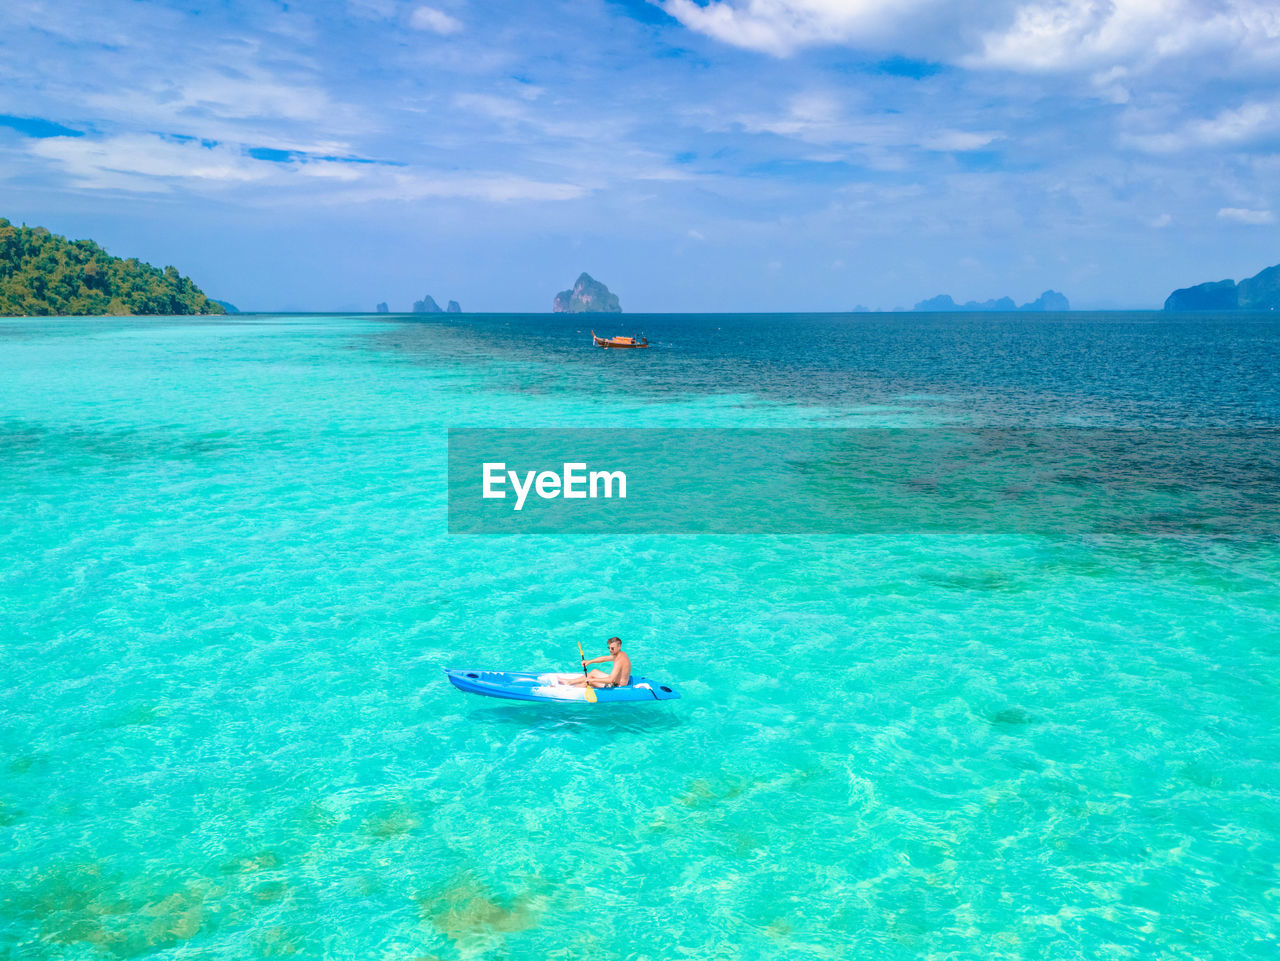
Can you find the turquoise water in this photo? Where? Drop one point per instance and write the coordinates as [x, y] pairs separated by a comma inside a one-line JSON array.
[[227, 596]]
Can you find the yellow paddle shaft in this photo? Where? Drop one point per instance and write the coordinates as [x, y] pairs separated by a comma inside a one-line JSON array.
[[591, 691]]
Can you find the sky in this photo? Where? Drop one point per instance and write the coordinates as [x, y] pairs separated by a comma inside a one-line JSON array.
[[694, 155]]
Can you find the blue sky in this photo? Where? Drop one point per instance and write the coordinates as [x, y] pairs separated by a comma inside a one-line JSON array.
[[731, 155]]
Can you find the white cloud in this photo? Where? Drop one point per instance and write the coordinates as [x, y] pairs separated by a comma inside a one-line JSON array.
[[1241, 124], [781, 27], [959, 140], [1066, 35], [496, 108], [437, 21], [1245, 124], [252, 96], [1112, 84], [1018, 35], [824, 120], [251, 105], [146, 163], [1241, 216], [812, 117]]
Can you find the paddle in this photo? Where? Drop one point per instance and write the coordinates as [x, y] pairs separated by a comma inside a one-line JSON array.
[[591, 691]]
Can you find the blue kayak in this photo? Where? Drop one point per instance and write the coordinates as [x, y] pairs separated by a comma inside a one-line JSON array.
[[523, 686]]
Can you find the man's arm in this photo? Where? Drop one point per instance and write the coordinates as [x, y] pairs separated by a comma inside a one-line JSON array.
[[600, 660]]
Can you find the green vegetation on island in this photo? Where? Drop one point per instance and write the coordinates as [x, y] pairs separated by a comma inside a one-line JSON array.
[[44, 274], [588, 296], [1259, 292]]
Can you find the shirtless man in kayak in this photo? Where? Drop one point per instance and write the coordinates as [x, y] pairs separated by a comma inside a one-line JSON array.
[[620, 676]]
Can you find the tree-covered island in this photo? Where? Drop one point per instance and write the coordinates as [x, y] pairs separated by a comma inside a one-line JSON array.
[[44, 274]]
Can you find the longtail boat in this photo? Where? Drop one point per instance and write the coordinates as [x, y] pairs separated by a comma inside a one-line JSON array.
[[618, 341]]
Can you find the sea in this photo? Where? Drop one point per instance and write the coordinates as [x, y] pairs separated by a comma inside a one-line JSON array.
[[228, 591]]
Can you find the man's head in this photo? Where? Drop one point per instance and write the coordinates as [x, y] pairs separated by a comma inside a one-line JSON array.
[[615, 645]]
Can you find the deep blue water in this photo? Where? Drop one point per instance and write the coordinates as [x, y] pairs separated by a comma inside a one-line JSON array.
[[1114, 368]]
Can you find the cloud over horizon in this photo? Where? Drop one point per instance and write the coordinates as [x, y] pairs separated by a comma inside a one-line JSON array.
[[735, 149]]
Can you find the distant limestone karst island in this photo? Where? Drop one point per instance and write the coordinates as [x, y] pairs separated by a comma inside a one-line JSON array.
[[1049, 300], [43, 274], [427, 305], [588, 296], [1259, 292]]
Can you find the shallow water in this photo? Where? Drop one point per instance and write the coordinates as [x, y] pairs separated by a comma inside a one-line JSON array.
[[228, 593]]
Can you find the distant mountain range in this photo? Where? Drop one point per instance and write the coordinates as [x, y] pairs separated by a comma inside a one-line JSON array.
[[1049, 300], [42, 273], [1259, 292]]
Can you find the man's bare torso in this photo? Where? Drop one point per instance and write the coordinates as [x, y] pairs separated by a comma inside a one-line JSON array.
[[620, 676]]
